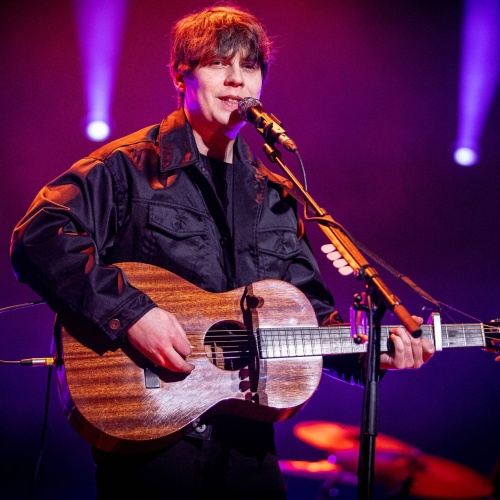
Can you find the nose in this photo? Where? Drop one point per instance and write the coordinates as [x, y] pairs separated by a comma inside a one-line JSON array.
[[234, 76]]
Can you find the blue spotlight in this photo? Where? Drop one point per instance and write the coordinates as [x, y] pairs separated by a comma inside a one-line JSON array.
[[466, 156], [479, 74], [97, 130]]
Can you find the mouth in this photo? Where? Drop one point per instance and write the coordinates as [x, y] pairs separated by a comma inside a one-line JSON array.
[[231, 101]]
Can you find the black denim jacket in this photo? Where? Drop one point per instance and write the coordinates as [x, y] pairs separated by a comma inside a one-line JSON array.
[[147, 198]]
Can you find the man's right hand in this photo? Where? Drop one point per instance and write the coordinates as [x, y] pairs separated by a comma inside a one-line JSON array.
[[160, 337]]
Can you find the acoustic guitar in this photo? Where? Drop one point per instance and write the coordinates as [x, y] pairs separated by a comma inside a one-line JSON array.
[[257, 352]]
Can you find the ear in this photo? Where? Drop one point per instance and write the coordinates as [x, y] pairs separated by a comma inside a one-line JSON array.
[[178, 79]]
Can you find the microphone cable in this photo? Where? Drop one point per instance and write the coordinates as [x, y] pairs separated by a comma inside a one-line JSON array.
[[41, 444], [50, 362]]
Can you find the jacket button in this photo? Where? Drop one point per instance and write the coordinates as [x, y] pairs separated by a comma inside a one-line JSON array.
[[114, 324], [223, 241]]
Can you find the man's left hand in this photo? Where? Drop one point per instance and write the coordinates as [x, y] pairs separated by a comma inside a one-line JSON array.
[[407, 352]]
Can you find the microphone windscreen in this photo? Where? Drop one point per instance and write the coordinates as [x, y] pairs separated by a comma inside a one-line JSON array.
[[247, 103]]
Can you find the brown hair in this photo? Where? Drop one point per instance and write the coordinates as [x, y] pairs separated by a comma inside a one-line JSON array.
[[218, 31]]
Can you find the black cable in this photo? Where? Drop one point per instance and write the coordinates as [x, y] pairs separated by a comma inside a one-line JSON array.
[[302, 167], [21, 306], [35, 362], [42, 436]]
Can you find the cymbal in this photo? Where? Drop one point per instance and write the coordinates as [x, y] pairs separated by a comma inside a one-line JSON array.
[[426, 476], [397, 464], [321, 470], [436, 477], [343, 440]]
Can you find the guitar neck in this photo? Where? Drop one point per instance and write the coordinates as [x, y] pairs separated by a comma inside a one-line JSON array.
[[324, 341]]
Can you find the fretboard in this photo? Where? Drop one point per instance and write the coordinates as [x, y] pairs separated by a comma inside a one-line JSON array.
[[323, 341]]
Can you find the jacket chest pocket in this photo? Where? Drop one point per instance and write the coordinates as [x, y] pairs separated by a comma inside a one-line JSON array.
[[176, 222], [177, 239], [278, 246], [279, 242]]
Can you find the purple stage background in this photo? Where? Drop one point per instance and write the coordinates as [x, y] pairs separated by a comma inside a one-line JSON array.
[[369, 92]]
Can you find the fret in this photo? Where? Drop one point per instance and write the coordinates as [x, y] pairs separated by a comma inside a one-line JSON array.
[[283, 346], [301, 349], [321, 346], [306, 341], [331, 343], [463, 336]]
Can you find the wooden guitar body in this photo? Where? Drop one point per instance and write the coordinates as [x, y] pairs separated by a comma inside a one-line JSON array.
[[118, 401]]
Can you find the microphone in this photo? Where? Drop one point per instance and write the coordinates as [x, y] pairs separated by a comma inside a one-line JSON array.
[[252, 111]]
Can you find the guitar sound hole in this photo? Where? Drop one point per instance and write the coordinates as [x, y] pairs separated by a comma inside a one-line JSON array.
[[229, 346]]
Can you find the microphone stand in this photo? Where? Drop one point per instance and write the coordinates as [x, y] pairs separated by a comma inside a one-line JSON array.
[[379, 299]]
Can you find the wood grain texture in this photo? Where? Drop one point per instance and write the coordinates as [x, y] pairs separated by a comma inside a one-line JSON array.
[[101, 383]]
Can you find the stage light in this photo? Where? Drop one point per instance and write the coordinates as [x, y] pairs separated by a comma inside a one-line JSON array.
[[479, 75], [98, 130], [100, 28], [466, 156]]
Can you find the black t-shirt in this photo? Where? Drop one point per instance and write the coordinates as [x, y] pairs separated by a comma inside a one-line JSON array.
[[222, 174]]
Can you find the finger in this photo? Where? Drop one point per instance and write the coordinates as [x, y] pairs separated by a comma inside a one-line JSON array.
[[170, 359], [386, 362], [412, 349], [417, 353], [418, 320], [180, 340], [428, 349], [426, 346], [401, 346], [173, 361], [181, 344]]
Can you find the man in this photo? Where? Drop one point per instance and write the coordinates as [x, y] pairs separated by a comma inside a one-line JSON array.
[[187, 196]]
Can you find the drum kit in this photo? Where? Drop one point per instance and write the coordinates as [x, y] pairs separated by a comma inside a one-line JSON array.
[[399, 468]]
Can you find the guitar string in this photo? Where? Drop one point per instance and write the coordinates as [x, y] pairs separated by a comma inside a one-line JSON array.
[[275, 343], [299, 331], [317, 333]]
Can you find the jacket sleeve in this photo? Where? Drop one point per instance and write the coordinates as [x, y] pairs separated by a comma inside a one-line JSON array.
[[59, 249]]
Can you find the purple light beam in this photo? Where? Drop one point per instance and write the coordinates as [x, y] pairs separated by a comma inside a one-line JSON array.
[[479, 73], [100, 29]]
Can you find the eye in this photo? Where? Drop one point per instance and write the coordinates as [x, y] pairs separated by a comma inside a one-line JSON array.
[[252, 65]]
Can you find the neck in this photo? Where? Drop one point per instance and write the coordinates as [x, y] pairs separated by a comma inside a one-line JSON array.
[[217, 146]]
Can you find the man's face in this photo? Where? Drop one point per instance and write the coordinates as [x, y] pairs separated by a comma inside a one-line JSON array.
[[213, 90]]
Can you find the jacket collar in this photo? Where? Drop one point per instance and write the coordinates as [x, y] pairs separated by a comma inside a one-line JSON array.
[[178, 147]]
